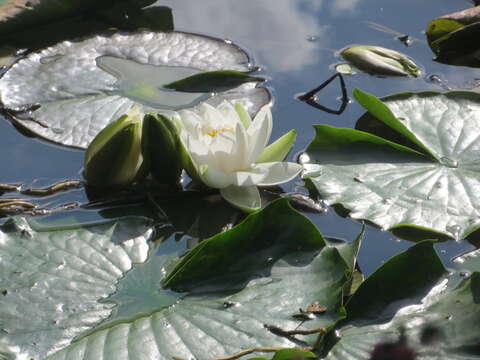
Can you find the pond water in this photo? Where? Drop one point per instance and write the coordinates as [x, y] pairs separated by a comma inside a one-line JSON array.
[[296, 44]]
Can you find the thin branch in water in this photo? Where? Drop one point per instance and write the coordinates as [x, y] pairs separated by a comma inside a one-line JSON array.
[[9, 187], [68, 206], [5, 200], [310, 96], [51, 190], [17, 203]]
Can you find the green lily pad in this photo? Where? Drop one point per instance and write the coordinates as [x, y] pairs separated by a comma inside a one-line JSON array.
[[290, 354], [394, 186], [469, 261], [453, 37], [433, 315], [87, 291], [51, 281], [229, 298], [68, 92], [21, 14]]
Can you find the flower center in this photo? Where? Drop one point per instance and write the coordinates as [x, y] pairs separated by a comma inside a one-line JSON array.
[[214, 132]]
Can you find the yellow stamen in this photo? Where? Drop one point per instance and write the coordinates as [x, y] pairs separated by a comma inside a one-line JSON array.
[[214, 132]]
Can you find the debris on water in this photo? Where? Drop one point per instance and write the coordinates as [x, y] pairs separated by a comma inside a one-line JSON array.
[[405, 40], [305, 203], [229, 304], [316, 308]]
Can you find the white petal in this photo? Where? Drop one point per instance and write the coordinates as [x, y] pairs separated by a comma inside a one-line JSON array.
[[249, 177], [246, 198], [228, 112], [199, 152], [278, 172], [259, 132], [190, 121], [266, 174], [215, 178], [222, 142], [241, 150], [212, 118]]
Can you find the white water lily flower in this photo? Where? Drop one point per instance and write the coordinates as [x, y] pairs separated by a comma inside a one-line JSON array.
[[228, 151]]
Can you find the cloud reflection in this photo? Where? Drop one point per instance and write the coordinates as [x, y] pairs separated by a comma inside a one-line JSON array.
[[344, 5], [274, 31]]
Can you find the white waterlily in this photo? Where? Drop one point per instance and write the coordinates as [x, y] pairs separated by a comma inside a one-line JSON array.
[[229, 151]]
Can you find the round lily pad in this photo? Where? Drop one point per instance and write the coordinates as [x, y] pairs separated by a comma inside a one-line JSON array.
[[432, 187], [68, 92]]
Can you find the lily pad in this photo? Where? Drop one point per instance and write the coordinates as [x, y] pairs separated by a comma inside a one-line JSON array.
[[68, 92], [453, 37], [21, 14], [395, 186], [431, 315], [51, 281], [220, 311]]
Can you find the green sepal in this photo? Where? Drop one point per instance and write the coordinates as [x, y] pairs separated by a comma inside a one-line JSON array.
[[243, 114], [114, 158], [212, 81], [279, 149], [161, 149]]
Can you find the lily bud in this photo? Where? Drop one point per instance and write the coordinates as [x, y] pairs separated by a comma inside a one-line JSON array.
[[381, 61], [114, 157], [162, 149]]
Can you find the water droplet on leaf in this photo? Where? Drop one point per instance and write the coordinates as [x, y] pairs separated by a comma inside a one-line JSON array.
[[448, 162], [303, 158], [455, 230]]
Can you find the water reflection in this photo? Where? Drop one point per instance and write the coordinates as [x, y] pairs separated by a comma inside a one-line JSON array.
[[276, 30]]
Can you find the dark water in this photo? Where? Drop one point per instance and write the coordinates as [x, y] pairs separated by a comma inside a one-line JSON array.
[[295, 42]]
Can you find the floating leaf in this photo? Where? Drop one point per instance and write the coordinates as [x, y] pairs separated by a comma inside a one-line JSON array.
[[226, 304], [290, 354], [433, 316], [212, 81], [51, 281], [453, 38], [21, 14], [77, 292], [68, 92], [395, 186]]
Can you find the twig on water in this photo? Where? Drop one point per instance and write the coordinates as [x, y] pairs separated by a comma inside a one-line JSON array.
[[310, 98], [17, 203], [9, 187], [51, 190]]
